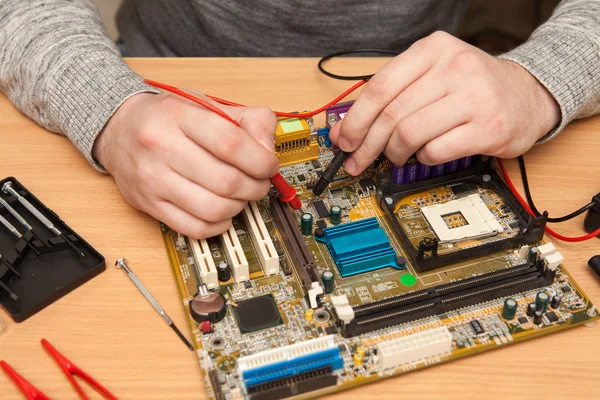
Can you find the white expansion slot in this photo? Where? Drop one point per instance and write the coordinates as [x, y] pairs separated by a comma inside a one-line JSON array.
[[235, 252], [205, 266], [260, 237], [415, 347]]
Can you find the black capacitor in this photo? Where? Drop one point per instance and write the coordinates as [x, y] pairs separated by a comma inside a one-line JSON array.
[[537, 317], [319, 232], [210, 306], [555, 302], [531, 308], [223, 271]]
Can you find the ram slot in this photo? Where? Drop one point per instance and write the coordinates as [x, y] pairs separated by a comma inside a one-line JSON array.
[[205, 265], [446, 298], [262, 241], [235, 253]]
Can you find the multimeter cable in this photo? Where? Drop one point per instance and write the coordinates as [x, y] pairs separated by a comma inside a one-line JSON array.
[[532, 205], [530, 211]]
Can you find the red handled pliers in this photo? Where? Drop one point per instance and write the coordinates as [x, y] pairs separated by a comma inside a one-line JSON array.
[[70, 369]]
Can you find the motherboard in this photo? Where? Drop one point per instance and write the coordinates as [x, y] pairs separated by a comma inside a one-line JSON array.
[[377, 277]]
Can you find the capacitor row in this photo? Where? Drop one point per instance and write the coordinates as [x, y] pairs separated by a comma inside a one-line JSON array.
[[414, 171]]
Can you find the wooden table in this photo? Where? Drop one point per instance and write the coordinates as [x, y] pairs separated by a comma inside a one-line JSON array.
[[108, 329]]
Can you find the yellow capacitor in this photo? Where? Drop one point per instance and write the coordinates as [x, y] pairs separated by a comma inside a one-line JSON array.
[[360, 350], [358, 359], [309, 314]]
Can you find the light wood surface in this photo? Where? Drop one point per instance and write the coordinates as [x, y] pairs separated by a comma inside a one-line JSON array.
[[107, 328]]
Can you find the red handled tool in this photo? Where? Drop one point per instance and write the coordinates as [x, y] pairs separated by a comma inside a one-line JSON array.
[[70, 369]]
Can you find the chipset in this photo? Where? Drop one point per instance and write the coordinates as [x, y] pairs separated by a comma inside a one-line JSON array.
[[257, 314], [360, 246]]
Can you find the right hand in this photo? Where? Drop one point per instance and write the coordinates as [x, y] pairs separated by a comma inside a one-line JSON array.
[[185, 165]]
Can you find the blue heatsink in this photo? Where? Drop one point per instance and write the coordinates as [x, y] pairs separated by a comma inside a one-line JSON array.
[[360, 246]]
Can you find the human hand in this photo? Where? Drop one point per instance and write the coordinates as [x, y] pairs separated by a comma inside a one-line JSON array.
[[444, 99], [187, 166]]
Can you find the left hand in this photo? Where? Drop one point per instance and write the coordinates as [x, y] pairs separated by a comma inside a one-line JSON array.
[[444, 99]]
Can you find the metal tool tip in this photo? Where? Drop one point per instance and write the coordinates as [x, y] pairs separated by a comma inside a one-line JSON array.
[[120, 261]]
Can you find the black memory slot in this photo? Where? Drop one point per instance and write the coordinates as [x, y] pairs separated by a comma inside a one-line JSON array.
[[301, 256], [449, 288], [449, 297]]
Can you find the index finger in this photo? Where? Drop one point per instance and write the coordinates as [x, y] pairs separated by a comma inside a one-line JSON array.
[[383, 87]]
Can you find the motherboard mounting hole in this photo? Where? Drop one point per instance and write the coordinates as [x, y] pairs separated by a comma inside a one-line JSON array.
[[321, 316], [217, 342]]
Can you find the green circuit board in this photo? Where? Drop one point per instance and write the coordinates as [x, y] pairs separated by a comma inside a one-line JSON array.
[[469, 330]]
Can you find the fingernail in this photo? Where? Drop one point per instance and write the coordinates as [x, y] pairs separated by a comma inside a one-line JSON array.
[[344, 144], [350, 166]]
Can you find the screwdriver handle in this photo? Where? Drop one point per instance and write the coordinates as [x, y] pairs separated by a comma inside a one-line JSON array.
[[122, 263], [15, 214], [7, 188]]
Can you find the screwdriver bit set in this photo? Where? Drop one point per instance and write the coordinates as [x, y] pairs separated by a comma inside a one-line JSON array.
[[41, 258]]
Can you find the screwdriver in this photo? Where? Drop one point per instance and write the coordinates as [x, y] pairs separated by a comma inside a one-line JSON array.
[[8, 189], [122, 263], [15, 232], [22, 220], [328, 175]]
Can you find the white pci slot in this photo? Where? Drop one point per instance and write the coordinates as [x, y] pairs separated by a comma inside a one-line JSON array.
[[205, 264], [235, 252], [262, 240], [415, 347]]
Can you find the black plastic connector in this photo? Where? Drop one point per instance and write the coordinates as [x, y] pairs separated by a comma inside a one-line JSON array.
[[591, 222]]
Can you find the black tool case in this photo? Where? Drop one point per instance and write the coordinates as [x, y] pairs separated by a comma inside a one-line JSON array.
[[49, 270]]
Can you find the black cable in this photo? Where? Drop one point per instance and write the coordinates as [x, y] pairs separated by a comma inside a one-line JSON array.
[[347, 52], [534, 208]]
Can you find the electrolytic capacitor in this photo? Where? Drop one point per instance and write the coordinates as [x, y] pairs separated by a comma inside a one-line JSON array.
[[423, 171], [555, 303], [531, 308], [537, 317], [306, 223], [541, 301], [437, 170], [464, 163], [510, 309], [451, 166], [327, 278], [223, 271], [335, 215], [532, 255], [410, 170], [397, 174]]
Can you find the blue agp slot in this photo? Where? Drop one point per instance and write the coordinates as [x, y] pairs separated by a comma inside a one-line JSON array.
[[360, 246]]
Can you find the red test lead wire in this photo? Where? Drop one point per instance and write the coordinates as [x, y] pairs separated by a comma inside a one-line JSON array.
[[526, 206], [286, 192]]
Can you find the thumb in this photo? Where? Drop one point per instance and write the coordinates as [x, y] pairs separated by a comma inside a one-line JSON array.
[[259, 122]]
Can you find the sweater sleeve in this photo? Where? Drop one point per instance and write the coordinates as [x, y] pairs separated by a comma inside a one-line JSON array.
[[563, 54], [59, 67]]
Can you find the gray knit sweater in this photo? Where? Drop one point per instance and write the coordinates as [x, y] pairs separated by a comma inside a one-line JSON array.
[[58, 66]]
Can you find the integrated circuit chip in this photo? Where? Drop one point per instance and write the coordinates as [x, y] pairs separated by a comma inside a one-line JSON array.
[[257, 314], [301, 178], [321, 209], [477, 328], [551, 316], [321, 224]]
